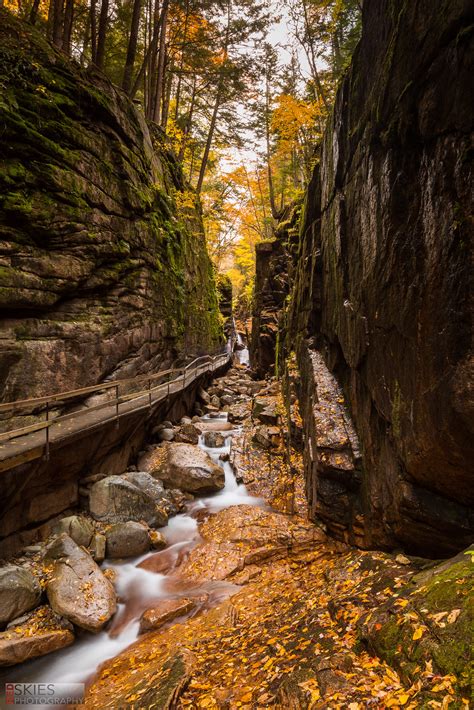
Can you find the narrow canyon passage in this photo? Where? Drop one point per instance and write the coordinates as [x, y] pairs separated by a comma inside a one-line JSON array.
[[250, 605]]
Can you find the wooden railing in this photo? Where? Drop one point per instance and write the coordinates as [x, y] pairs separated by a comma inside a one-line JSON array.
[[153, 388]]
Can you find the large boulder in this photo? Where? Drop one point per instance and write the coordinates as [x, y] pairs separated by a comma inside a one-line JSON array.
[[190, 469], [116, 499], [19, 592], [128, 539], [165, 499], [40, 633], [77, 589], [77, 527]]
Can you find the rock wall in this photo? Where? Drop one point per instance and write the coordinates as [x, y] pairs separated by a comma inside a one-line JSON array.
[[273, 268], [103, 265], [383, 279]]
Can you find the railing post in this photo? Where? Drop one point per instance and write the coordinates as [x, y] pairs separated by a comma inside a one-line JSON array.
[[117, 423], [149, 392], [46, 453]]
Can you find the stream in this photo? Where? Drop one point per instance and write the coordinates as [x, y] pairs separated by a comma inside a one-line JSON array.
[[143, 581]]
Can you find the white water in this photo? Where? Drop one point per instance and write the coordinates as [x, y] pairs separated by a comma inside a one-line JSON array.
[[139, 588], [242, 356]]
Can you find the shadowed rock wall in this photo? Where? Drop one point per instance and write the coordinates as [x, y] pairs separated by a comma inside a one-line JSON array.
[[383, 277], [104, 271]]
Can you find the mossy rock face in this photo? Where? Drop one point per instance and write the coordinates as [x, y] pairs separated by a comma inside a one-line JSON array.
[[104, 268], [430, 621]]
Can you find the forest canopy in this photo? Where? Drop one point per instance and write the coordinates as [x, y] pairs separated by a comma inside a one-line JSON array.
[[242, 89]]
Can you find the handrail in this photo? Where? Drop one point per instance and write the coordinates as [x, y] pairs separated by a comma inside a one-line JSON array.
[[206, 361]]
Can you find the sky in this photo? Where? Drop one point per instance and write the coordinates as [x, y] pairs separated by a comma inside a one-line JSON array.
[[281, 38]]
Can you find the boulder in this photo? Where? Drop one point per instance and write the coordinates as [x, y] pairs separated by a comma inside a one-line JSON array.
[[164, 611], [227, 399], [77, 589], [39, 633], [204, 396], [266, 436], [97, 547], [19, 592], [214, 439], [215, 401], [117, 499], [191, 469], [77, 527], [128, 539], [165, 434], [188, 434]]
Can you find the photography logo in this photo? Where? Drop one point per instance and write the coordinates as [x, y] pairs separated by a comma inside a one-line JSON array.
[[44, 693]]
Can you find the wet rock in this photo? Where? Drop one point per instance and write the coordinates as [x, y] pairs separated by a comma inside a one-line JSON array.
[[77, 589], [39, 633], [157, 540], [266, 436], [165, 434], [209, 425], [165, 611], [19, 592], [117, 499], [190, 469], [211, 410], [214, 439], [185, 420], [227, 399], [77, 527], [188, 434], [128, 539], [246, 535], [216, 402], [97, 547]]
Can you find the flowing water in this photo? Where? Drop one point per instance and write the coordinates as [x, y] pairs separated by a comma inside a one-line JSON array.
[[141, 582]]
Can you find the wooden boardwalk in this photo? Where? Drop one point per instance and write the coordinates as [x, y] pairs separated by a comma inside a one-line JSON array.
[[31, 442]]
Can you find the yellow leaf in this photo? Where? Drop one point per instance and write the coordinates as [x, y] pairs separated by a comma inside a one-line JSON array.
[[403, 699], [418, 633], [453, 616]]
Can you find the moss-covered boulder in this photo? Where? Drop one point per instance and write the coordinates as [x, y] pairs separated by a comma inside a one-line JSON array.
[[428, 626]]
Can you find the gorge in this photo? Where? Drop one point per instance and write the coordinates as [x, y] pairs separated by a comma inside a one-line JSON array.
[[292, 530]]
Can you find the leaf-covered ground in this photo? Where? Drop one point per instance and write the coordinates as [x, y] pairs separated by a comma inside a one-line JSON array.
[[315, 624]]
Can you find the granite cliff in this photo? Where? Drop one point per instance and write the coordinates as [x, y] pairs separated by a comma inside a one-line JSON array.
[[380, 310], [104, 271]]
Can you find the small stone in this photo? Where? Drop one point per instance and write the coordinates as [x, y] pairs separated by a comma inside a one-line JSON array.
[[165, 611], [214, 439], [97, 547], [402, 560], [157, 539]]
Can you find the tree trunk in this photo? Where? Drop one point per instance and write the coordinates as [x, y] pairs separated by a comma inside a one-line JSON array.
[[210, 136], [181, 63], [93, 26], [33, 12], [68, 20], [58, 22], [103, 21], [132, 47], [188, 125], [158, 94], [167, 98]]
